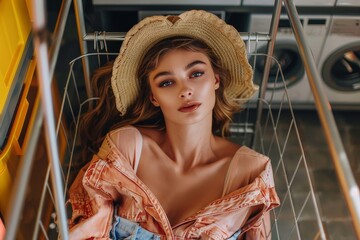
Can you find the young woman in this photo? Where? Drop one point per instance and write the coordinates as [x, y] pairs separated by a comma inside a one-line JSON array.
[[162, 168]]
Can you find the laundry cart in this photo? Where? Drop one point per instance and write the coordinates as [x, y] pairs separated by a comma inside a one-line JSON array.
[[257, 126]]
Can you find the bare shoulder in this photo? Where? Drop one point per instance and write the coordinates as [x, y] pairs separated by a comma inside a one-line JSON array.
[[251, 163], [245, 164], [243, 153], [225, 148], [249, 156], [153, 134]]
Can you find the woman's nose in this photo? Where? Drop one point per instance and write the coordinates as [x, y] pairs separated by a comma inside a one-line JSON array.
[[186, 92]]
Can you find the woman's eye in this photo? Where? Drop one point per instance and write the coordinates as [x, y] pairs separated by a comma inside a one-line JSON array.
[[197, 74], [165, 83]]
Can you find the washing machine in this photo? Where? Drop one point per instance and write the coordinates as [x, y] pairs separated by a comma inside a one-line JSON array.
[[287, 53], [304, 3], [348, 3], [339, 63]]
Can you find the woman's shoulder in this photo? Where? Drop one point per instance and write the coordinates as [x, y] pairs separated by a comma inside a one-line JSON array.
[[251, 160], [246, 165], [124, 138], [248, 154], [125, 133], [130, 134], [239, 152], [126, 142], [226, 148]]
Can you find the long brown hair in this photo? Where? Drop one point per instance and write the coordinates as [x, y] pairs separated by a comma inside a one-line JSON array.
[[105, 117]]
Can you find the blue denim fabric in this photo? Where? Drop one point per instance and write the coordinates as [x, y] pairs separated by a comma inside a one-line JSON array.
[[128, 230], [235, 235]]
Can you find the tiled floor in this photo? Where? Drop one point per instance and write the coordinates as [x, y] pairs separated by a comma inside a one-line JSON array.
[[335, 215], [293, 158]]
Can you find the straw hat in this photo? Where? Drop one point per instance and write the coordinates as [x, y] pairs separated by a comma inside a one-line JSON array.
[[222, 38]]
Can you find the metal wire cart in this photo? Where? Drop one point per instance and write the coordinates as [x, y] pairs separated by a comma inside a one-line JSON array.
[[257, 126]]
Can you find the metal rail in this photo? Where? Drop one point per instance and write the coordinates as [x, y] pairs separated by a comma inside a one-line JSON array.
[[270, 49], [80, 21], [46, 72], [23, 173], [43, 70], [120, 36], [347, 181]]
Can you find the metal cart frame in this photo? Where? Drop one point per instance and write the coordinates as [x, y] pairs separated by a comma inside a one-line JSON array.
[[45, 115]]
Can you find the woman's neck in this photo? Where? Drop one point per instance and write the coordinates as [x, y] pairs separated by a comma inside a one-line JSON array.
[[189, 145]]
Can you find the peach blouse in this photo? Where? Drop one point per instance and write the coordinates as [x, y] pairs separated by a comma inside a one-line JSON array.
[[110, 180]]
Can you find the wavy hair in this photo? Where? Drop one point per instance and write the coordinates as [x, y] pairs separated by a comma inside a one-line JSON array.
[[104, 116]]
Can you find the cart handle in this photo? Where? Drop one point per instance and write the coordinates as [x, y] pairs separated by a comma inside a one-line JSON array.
[[348, 184]]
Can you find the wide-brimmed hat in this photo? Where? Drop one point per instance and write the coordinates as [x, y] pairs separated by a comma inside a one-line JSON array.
[[223, 39]]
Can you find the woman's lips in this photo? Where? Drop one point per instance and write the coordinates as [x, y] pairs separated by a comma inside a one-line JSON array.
[[189, 107]]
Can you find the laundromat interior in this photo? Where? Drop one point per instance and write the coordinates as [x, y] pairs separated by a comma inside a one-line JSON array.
[[306, 118]]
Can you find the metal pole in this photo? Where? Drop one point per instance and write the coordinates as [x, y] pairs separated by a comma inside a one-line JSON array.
[[22, 176], [58, 33], [270, 49], [120, 36], [347, 181], [83, 47], [41, 54]]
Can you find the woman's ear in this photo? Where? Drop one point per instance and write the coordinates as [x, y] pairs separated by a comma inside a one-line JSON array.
[[154, 101], [217, 81]]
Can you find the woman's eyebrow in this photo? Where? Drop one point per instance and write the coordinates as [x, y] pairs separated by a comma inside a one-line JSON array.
[[194, 63], [161, 74], [164, 73]]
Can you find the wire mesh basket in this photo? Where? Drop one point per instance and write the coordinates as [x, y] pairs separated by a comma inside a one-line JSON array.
[[271, 131]]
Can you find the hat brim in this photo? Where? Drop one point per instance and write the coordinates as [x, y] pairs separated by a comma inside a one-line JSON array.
[[222, 38]]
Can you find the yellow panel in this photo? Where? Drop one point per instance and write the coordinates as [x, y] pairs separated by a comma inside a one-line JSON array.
[[13, 149], [15, 26], [22, 18], [5, 181]]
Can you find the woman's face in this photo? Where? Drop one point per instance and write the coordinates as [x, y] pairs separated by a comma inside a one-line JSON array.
[[183, 85]]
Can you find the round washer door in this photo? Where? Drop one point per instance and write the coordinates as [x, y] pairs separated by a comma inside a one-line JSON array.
[[341, 69], [288, 60]]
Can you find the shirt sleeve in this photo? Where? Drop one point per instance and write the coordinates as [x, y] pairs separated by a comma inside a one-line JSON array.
[[96, 187], [244, 168], [92, 207], [253, 168]]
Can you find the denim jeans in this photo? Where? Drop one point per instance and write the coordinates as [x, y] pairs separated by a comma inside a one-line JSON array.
[[128, 230], [235, 235]]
